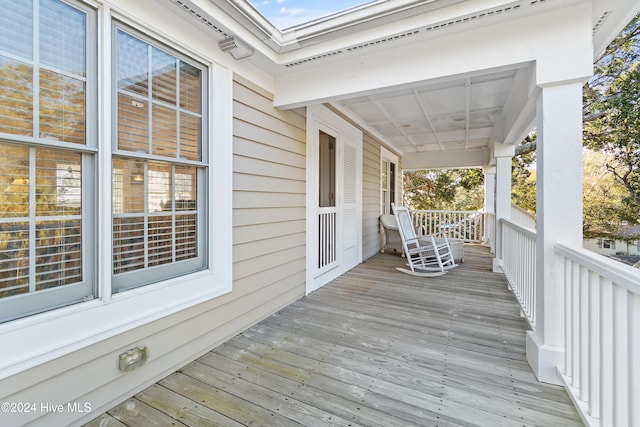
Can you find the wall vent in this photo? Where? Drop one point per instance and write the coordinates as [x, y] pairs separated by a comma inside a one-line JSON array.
[[475, 17], [201, 15], [382, 41], [600, 21], [353, 48], [313, 58]]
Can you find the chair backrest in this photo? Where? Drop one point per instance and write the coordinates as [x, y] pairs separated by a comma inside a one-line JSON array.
[[389, 221], [405, 223]]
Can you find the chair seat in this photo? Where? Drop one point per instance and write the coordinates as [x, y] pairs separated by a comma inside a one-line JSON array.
[[457, 248]]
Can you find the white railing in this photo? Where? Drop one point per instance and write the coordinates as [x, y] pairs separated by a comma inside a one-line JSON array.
[[602, 337], [463, 225], [519, 265], [327, 245]]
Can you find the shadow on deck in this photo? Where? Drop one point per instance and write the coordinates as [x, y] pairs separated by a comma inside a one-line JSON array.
[[374, 347]]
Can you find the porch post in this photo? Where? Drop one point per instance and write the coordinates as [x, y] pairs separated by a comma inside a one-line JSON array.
[[503, 154], [489, 203], [559, 217]]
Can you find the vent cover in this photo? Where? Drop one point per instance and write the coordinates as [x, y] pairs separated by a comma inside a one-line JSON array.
[[475, 17], [201, 15], [353, 48], [603, 18]]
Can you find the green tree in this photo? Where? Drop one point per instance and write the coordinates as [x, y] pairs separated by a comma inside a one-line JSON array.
[[602, 197], [444, 189], [612, 116], [523, 175]]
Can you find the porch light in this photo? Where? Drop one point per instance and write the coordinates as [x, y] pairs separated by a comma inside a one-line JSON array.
[[236, 47]]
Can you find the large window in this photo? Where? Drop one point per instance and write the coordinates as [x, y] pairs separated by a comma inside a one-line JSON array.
[[158, 162], [50, 149], [47, 155]]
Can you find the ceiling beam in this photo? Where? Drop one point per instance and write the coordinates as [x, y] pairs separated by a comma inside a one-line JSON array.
[[427, 117], [446, 159], [467, 112]]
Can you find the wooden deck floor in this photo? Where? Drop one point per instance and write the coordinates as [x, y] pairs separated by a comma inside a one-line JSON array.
[[373, 348]]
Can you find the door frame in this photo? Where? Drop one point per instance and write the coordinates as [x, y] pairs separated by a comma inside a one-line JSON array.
[[320, 118]]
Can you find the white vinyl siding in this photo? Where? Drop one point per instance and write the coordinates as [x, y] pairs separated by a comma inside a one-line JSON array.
[[371, 195], [269, 194]]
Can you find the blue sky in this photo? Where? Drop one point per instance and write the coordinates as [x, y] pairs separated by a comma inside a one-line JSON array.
[[286, 13]]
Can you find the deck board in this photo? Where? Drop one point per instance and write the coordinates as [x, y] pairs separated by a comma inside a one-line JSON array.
[[375, 347]]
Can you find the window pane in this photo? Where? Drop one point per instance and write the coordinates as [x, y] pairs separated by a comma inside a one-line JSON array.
[[58, 183], [164, 131], [14, 258], [16, 98], [62, 37], [185, 188], [133, 124], [163, 69], [160, 240], [186, 237], [58, 253], [128, 244], [128, 185], [132, 64], [57, 242], [62, 108], [14, 181], [16, 19], [190, 87], [159, 181], [189, 137]]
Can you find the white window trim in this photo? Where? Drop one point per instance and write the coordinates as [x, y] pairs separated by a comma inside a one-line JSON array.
[[385, 154], [36, 339]]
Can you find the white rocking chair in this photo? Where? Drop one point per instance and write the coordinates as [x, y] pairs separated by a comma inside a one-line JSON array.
[[426, 257]]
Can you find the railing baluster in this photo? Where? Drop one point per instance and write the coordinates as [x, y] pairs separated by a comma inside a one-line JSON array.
[[634, 360], [568, 319], [606, 353], [583, 350], [595, 382], [620, 357]]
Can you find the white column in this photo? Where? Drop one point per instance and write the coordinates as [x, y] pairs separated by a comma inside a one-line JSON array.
[[503, 154], [559, 217], [489, 203]]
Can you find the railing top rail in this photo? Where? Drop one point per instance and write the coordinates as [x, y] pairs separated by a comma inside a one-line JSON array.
[[445, 211], [529, 232], [619, 273]]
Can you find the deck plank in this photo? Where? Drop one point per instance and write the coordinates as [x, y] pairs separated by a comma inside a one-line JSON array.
[[375, 347]]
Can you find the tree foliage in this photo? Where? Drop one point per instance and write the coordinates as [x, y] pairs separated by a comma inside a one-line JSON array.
[[523, 175], [612, 116], [602, 198], [444, 189]]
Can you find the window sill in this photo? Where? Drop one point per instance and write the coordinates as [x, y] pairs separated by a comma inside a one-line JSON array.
[[40, 338]]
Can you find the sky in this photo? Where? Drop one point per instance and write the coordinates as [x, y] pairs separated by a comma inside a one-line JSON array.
[[287, 13]]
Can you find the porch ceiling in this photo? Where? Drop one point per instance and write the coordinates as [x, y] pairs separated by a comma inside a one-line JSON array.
[[456, 115]]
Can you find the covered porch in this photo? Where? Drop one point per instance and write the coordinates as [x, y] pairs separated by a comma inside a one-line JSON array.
[[374, 347]]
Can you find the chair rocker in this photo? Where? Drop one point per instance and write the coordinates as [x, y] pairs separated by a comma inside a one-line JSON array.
[[426, 256]]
